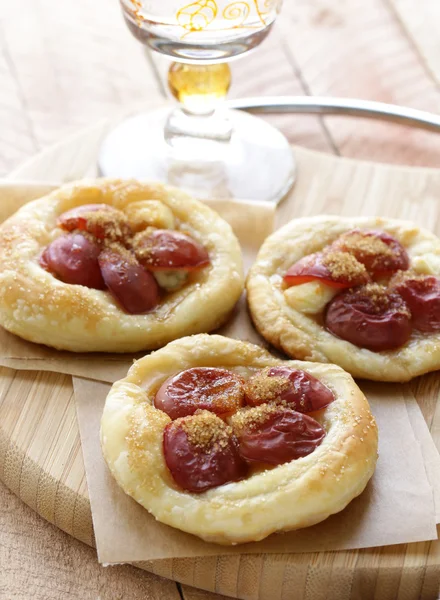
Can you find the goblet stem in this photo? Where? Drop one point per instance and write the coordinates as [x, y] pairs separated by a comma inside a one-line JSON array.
[[198, 125], [202, 147]]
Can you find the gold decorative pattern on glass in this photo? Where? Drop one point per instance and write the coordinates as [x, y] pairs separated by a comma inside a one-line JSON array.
[[198, 15], [137, 8], [237, 11], [218, 15]]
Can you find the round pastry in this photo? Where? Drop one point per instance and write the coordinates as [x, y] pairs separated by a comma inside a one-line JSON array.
[[218, 438], [116, 266], [363, 293]]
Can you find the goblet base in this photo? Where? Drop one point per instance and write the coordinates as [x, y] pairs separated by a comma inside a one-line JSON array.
[[255, 162]]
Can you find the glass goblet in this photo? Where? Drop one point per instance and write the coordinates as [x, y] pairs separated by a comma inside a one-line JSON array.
[[201, 146]]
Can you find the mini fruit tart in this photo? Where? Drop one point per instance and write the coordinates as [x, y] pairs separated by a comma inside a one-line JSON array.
[[116, 266], [363, 293], [218, 438]]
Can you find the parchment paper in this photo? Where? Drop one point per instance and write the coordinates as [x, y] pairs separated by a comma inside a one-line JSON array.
[[396, 507], [431, 457], [252, 223]]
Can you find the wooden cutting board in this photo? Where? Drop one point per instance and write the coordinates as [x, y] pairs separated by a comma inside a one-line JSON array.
[[40, 451]]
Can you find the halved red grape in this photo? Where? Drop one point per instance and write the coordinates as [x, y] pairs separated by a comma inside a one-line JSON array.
[[164, 249], [370, 317], [73, 258], [130, 284], [44, 259], [217, 390], [335, 269], [100, 220], [378, 251], [422, 295], [292, 387], [202, 453], [274, 434]]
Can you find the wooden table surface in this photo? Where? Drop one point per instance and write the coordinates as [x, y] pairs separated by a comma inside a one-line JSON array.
[[67, 64]]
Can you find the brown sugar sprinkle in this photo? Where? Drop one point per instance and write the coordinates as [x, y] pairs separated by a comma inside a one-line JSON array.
[[251, 418], [263, 388], [378, 294], [228, 400], [364, 246], [141, 243], [205, 430], [118, 248], [85, 234], [402, 276], [381, 298], [109, 244], [343, 265], [113, 223]]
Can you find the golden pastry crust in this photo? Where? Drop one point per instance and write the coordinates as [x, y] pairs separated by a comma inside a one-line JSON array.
[[300, 335], [290, 496], [40, 308]]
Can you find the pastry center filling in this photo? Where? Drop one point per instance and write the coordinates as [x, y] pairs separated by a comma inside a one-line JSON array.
[[132, 255], [222, 425], [365, 291]]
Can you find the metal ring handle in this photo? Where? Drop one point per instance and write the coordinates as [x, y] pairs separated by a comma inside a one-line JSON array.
[[339, 106]]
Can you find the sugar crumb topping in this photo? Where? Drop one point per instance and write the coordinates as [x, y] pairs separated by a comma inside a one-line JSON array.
[[113, 222], [205, 430], [251, 418], [343, 265], [263, 388], [365, 245], [381, 298], [143, 244], [403, 276], [120, 249]]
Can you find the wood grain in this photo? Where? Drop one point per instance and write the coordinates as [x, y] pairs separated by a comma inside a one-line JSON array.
[[358, 49], [190, 593], [420, 22], [64, 65]]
